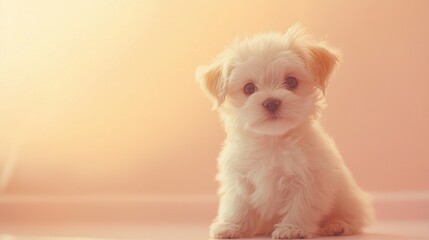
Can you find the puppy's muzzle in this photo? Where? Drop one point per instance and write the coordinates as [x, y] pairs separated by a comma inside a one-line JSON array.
[[272, 104]]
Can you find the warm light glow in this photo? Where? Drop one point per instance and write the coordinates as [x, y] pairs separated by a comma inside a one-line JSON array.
[[89, 87]]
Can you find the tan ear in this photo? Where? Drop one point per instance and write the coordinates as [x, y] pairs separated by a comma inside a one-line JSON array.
[[322, 62], [213, 81], [320, 58]]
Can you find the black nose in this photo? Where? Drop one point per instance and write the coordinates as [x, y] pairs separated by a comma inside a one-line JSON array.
[[272, 104]]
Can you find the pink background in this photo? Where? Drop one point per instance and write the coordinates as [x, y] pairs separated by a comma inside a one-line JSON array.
[[100, 96]]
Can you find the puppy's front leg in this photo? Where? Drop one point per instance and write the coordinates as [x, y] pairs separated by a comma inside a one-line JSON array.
[[302, 214], [232, 213]]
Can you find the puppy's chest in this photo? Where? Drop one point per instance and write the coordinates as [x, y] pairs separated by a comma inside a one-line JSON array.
[[272, 175], [275, 162]]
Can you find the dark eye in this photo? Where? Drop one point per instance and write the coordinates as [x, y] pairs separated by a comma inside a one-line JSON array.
[[249, 88], [291, 82]]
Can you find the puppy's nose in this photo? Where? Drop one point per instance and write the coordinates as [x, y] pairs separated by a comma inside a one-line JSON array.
[[272, 104]]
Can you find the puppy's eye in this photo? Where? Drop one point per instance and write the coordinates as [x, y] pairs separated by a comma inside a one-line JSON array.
[[291, 82], [249, 88]]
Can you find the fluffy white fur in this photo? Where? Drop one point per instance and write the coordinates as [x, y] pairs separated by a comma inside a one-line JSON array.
[[280, 173]]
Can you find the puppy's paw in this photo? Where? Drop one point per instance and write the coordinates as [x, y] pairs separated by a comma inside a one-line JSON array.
[[290, 232], [222, 230], [336, 228]]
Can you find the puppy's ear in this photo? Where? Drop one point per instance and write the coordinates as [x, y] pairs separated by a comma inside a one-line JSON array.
[[322, 61], [213, 81]]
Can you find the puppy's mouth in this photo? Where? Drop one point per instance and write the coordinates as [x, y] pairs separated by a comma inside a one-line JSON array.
[[271, 124], [274, 116], [269, 118]]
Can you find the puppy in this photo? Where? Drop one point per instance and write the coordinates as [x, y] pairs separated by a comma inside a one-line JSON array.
[[280, 174]]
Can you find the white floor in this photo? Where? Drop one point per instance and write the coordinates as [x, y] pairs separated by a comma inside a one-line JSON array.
[[394, 230]]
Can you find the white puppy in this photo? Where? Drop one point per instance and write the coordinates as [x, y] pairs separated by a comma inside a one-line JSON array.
[[279, 172]]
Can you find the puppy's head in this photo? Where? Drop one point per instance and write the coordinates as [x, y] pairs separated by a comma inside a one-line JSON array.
[[271, 83]]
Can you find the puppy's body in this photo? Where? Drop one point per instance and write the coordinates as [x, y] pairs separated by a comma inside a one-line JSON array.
[[280, 173], [299, 174]]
